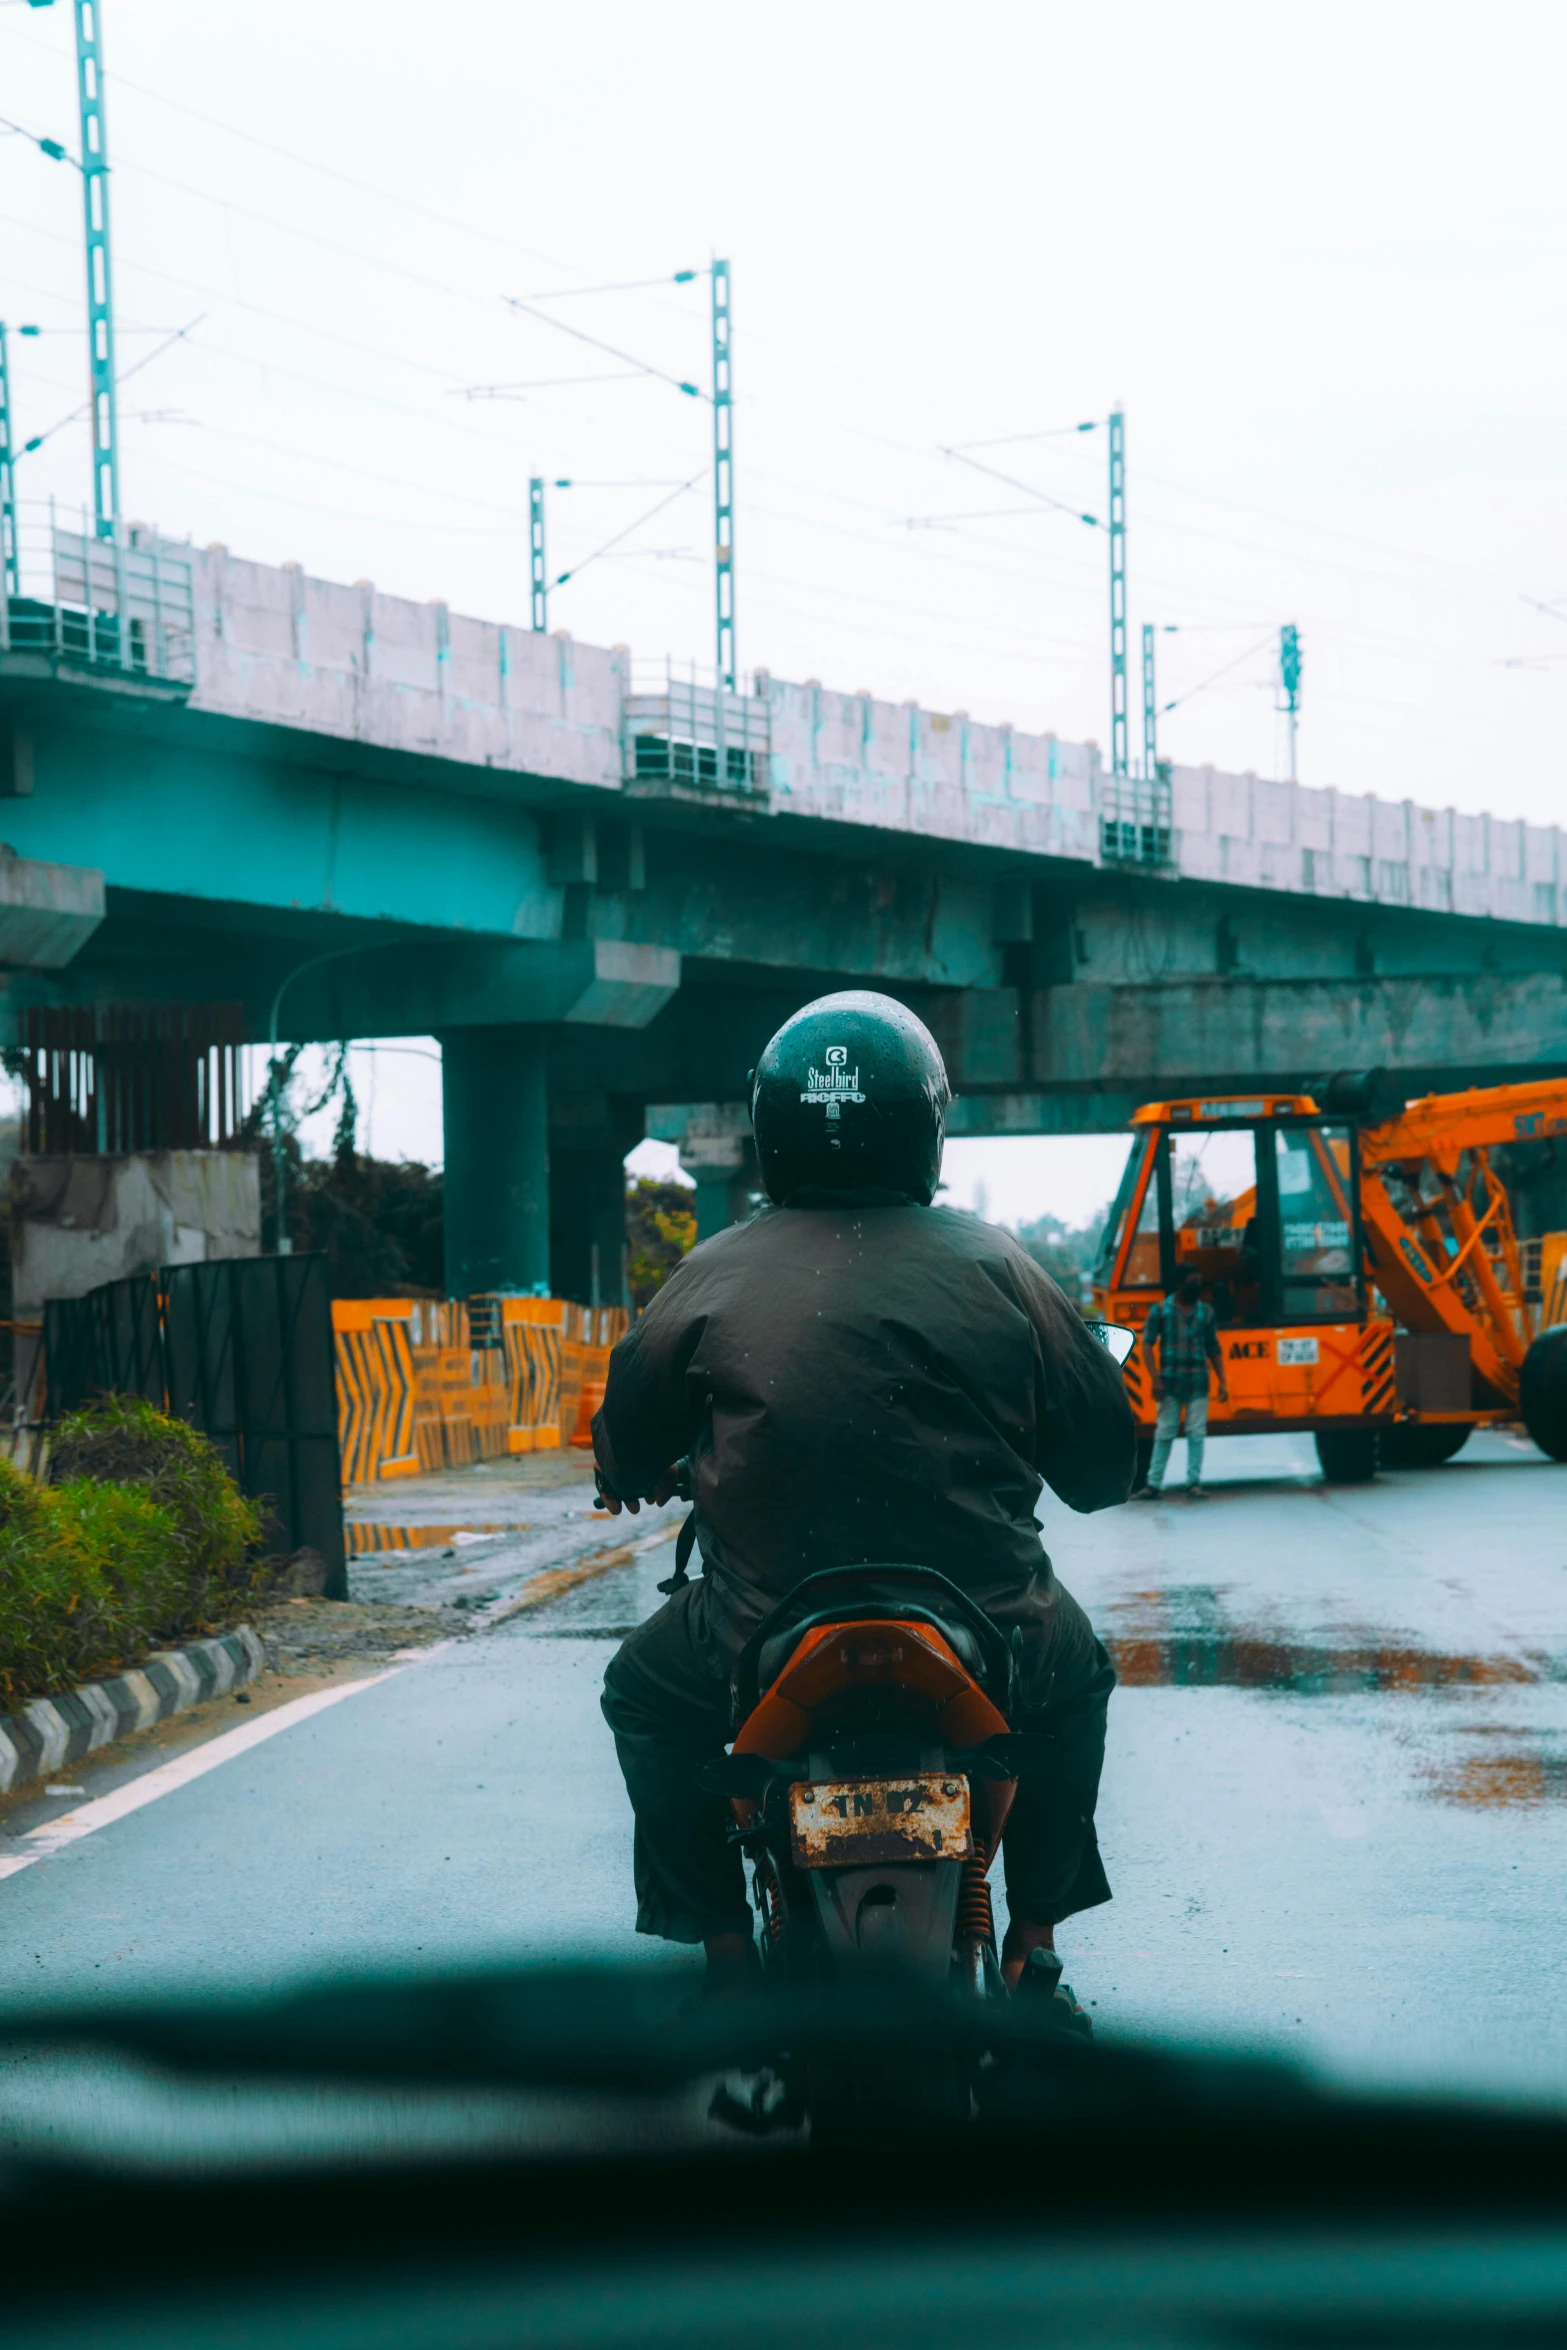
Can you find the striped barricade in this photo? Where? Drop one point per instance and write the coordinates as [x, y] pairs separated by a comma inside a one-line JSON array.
[[415, 1393], [375, 1389], [531, 1334]]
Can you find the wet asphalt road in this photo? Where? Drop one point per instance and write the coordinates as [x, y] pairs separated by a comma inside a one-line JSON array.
[[1334, 1813]]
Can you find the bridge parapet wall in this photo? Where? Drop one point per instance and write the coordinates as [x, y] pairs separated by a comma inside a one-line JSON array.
[[847, 758], [279, 648], [1245, 830], [282, 649]]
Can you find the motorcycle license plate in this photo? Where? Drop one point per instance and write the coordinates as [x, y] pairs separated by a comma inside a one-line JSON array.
[[847, 1823]]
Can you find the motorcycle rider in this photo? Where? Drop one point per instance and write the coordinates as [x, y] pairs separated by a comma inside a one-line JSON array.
[[857, 1376]]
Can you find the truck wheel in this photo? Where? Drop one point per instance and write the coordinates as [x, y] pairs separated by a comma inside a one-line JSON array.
[[1407, 1445], [1348, 1455], [1542, 1392]]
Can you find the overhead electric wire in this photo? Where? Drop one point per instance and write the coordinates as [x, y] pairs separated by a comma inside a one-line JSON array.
[[1192, 691], [38, 439], [635, 285], [124, 260], [123, 81], [1043, 496], [1011, 440], [1040, 499], [628, 358], [975, 514], [335, 463], [288, 228], [425, 416], [267, 495], [542, 384], [680, 492], [1325, 529]]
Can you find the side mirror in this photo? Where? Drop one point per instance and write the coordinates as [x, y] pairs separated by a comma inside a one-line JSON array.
[[1114, 1337]]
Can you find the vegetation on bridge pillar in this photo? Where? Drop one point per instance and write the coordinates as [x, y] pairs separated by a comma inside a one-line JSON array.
[[495, 1116]]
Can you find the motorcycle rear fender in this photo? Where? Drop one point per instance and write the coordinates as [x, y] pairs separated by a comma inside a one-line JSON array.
[[899, 1915], [835, 1660]]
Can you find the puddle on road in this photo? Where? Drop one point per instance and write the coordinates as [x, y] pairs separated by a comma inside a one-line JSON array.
[[366, 1538], [1186, 1640], [1509, 1769], [586, 1631], [1216, 1661]]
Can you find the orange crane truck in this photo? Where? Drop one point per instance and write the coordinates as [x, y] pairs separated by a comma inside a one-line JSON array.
[[1361, 1258]]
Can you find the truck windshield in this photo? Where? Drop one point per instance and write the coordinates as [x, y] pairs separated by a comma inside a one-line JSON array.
[[1121, 1208], [1213, 1202], [1316, 1227]]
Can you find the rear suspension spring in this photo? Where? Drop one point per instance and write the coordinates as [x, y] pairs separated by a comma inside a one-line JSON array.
[[976, 1920]]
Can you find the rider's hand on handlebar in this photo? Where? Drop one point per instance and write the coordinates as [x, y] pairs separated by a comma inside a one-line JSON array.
[[607, 1498], [665, 1490]]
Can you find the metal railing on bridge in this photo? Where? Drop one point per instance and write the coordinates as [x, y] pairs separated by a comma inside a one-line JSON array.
[[124, 605], [1134, 819], [687, 738]]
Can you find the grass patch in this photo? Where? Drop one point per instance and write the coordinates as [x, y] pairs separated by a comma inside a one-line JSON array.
[[139, 1537]]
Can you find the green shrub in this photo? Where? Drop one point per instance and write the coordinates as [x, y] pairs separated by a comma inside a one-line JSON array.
[[124, 1441], [140, 1537]]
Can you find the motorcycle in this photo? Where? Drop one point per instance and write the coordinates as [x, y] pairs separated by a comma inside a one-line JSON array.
[[872, 1769], [870, 1778]]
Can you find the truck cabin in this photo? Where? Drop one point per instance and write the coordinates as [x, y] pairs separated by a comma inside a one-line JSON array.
[[1258, 1195]]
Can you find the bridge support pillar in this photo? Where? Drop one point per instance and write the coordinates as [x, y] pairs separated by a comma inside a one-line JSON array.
[[723, 1186], [713, 1209], [495, 1115], [588, 1223]]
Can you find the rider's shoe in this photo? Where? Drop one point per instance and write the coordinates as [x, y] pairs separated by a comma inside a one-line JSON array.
[[1041, 1980], [734, 1970]]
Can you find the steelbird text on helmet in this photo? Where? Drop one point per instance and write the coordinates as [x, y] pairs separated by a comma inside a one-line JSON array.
[[850, 1095]]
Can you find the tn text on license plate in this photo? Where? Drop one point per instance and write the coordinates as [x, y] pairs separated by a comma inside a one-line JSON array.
[[841, 1823]]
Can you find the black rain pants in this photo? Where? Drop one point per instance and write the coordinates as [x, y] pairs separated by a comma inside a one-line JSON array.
[[666, 1698]]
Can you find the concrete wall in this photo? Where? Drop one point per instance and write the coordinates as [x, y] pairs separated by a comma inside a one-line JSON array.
[[77, 1222], [276, 647]]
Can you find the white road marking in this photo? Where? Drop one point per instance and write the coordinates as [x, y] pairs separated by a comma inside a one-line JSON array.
[[45, 1842]]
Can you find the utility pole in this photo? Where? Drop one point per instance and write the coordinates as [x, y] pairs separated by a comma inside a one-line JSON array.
[[100, 308], [1150, 710], [1289, 678], [723, 480], [10, 561], [1119, 762], [540, 584]]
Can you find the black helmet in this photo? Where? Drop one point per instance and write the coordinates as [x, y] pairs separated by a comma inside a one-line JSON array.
[[851, 1094]]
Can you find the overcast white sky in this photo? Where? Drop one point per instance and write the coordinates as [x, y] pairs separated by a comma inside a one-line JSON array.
[[1317, 255]]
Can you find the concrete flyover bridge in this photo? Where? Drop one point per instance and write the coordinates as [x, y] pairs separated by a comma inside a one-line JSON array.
[[601, 890]]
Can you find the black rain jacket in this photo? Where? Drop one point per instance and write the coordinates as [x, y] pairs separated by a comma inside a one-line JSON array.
[[880, 1382]]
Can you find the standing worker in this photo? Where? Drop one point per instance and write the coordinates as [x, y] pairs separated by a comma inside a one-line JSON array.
[[1180, 1340]]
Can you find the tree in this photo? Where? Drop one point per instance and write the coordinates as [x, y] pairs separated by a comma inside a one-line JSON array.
[[660, 1228], [1066, 1251], [378, 1222]]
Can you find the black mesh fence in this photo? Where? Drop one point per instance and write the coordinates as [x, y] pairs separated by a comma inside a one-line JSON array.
[[110, 1341], [243, 1350]]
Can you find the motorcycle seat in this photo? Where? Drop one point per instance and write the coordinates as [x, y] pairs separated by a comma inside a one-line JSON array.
[[843, 1595], [774, 1654]]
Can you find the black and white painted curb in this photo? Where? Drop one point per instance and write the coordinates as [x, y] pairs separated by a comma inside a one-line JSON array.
[[56, 1730]]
